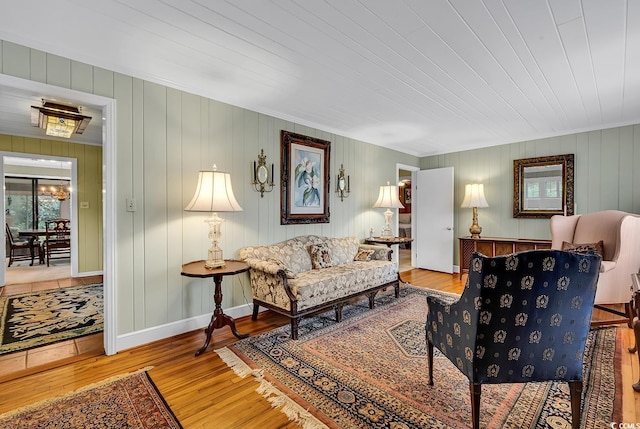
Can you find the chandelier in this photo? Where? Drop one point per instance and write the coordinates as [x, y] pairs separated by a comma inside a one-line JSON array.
[[58, 192]]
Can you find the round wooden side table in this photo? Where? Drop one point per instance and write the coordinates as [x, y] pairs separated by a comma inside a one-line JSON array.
[[218, 319]]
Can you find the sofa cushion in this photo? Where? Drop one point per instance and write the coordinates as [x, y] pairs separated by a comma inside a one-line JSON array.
[[293, 253], [320, 256], [343, 250], [316, 287]]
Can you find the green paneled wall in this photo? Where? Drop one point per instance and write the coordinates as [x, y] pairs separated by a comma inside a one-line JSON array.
[[163, 137], [89, 169], [604, 178]]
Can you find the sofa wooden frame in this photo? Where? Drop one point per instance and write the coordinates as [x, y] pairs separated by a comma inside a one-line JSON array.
[[294, 315]]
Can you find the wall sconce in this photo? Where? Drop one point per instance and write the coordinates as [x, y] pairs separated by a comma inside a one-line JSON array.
[[261, 175], [343, 187]]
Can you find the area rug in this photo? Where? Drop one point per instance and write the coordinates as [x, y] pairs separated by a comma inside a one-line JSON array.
[[38, 318], [126, 401], [371, 372]]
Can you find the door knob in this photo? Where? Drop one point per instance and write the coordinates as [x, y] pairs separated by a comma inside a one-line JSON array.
[[449, 228]]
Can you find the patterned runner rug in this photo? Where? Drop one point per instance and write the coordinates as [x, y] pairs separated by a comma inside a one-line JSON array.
[[38, 318], [370, 372], [126, 401]]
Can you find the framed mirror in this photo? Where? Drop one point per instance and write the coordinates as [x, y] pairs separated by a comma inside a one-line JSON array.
[[543, 186]]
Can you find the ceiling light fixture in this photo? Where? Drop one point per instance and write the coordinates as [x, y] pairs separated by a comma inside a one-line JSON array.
[[59, 120]]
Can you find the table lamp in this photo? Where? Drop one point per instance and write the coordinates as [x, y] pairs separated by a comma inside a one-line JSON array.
[[388, 198], [474, 198], [214, 194]]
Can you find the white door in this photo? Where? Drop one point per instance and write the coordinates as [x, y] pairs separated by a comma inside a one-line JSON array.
[[434, 219]]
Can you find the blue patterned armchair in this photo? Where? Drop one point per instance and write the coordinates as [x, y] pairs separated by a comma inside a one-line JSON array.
[[521, 318]]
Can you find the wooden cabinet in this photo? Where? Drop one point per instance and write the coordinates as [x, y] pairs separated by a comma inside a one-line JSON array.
[[495, 246]]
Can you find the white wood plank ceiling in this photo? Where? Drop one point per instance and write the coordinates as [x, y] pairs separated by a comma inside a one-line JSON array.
[[423, 77]]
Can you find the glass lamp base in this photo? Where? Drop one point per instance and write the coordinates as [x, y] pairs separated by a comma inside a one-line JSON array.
[[210, 265], [214, 257]]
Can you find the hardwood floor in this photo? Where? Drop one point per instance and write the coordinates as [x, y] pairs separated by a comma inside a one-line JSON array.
[[204, 393]]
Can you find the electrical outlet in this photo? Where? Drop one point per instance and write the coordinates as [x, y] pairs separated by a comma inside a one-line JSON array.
[[131, 205]]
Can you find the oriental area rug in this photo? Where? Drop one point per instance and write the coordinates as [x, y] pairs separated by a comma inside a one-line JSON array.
[[35, 319], [126, 401], [371, 372]]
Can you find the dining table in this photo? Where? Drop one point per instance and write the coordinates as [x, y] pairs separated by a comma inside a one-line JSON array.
[[33, 235]]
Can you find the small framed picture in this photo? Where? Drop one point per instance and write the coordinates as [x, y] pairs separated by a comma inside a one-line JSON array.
[[407, 195]]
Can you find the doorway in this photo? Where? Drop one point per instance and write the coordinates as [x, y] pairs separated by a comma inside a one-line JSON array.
[[26, 177], [405, 179], [107, 108]]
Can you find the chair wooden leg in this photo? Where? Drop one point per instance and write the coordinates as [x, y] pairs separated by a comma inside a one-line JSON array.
[[430, 355], [256, 308], [575, 388], [476, 390]]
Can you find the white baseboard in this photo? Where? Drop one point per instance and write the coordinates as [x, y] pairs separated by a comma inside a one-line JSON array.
[[89, 274], [456, 268], [138, 338]]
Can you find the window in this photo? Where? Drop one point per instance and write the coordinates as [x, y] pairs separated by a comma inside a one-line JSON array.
[[553, 189], [25, 209], [533, 190]]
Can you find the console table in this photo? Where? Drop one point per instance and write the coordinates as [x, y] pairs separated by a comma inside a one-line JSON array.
[[218, 319], [494, 246]]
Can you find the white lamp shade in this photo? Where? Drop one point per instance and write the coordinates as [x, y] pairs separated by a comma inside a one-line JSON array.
[[213, 193], [388, 198], [474, 196]]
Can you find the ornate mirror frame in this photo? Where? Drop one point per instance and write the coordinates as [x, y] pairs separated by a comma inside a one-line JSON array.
[[562, 205]]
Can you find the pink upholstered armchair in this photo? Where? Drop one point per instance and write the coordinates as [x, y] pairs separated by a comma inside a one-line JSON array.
[[620, 234]]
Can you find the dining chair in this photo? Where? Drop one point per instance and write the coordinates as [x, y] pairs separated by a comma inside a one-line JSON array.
[[57, 242], [17, 247]]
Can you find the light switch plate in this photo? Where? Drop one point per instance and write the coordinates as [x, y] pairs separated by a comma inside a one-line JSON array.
[[131, 205]]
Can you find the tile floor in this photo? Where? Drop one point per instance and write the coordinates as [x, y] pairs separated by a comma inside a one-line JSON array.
[[13, 365]]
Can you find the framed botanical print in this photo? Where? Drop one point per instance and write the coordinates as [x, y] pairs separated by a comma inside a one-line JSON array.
[[304, 172]]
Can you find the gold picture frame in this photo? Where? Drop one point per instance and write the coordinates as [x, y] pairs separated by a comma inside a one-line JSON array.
[[543, 186]]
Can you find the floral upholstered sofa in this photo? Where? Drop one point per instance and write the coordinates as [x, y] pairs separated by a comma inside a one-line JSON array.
[[308, 273]]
